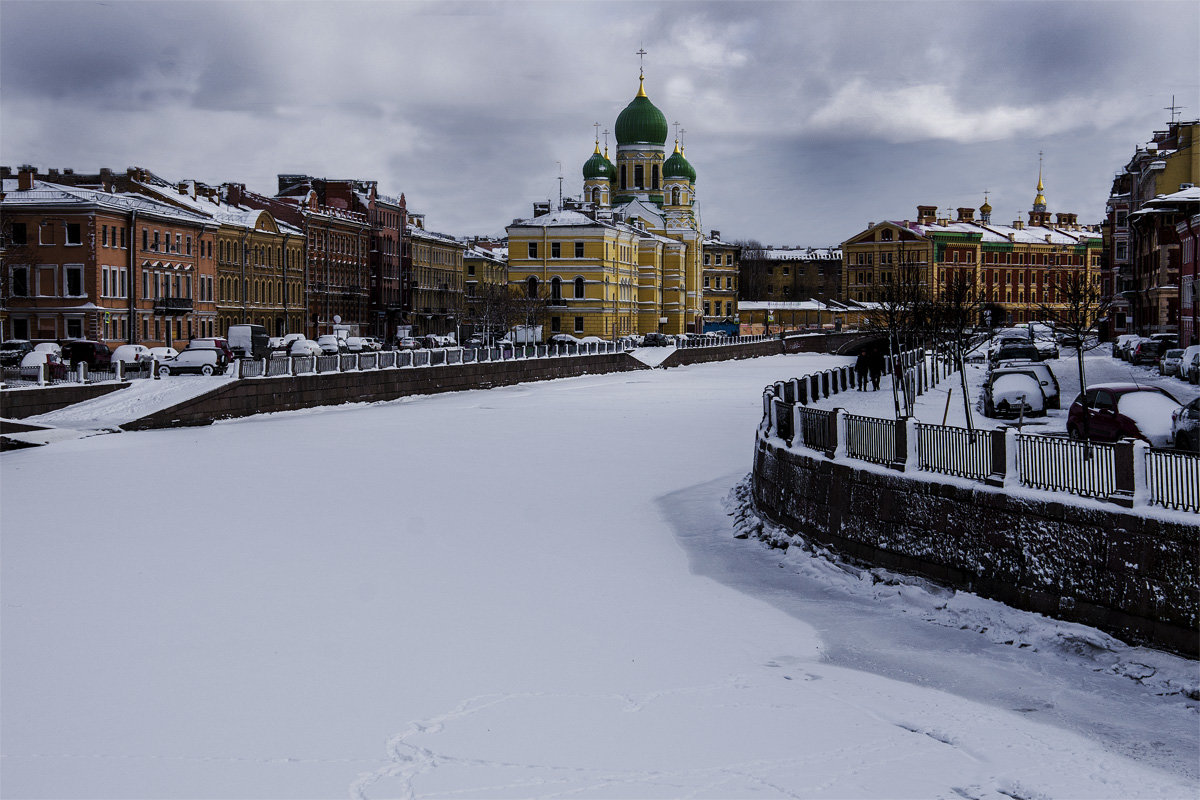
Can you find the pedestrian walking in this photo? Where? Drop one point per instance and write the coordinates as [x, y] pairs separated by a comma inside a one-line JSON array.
[[875, 368], [862, 367]]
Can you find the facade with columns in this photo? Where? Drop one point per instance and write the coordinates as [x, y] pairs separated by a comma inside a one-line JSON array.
[[627, 256], [1013, 268]]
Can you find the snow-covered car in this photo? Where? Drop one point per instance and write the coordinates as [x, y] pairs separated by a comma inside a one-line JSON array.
[[1113, 411], [13, 350], [1185, 427], [1011, 393], [163, 353], [1045, 376], [1168, 362], [330, 344], [1188, 363], [371, 344], [562, 339], [55, 367], [354, 344], [656, 339], [48, 347], [195, 360], [591, 340], [304, 347], [1122, 344], [132, 353], [212, 342]]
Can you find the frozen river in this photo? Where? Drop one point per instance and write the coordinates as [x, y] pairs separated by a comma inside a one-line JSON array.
[[524, 592]]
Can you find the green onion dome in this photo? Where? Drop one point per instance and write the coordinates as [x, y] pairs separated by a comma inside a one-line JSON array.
[[641, 122], [677, 166], [598, 167]]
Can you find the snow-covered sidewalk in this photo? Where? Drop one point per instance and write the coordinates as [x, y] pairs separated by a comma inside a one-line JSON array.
[[143, 396]]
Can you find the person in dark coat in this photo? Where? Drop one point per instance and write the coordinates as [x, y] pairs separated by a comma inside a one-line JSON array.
[[875, 367], [861, 368]]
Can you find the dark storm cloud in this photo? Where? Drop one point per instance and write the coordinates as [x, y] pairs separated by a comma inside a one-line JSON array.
[[804, 120]]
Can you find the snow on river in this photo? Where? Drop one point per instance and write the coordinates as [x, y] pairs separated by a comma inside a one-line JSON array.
[[531, 591]]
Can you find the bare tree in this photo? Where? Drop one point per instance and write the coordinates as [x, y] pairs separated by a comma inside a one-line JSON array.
[[955, 313], [1073, 304], [903, 313], [527, 304], [752, 263]]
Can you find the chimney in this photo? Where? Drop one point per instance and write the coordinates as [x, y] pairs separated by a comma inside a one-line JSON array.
[[714, 235], [25, 177], [966, 215], [926, 214], [67, 171], [52, 172], [1018, 224]]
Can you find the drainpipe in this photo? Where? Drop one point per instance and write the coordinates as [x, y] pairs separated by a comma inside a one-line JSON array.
[[285, 283], [245, 287], [132, 284]]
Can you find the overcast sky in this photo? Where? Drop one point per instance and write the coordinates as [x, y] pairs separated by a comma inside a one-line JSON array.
[[805, 121]]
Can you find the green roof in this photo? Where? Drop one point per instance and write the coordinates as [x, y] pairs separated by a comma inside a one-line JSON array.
[[641, 123], [678, 167]]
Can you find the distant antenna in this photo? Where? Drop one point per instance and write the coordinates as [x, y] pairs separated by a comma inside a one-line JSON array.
[[560, 180], [1174, 109]]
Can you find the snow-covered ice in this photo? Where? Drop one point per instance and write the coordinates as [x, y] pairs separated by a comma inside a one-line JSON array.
[[531, 591]]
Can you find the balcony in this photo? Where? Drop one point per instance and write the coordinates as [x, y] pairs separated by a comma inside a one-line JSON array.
[[172, 305]]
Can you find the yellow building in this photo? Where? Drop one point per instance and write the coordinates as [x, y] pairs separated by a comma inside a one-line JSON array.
[[1012, 268], [626, 258]]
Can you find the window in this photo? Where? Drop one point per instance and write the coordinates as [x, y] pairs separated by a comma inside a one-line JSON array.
[[104, 281], [74, 280], [729, 259], [706, 281], [555, 324], [75, 328], [533, 250], [20, 284], [556, 250], [46, 233], [19, 234], [154, 246], [104, 235], [579, 288], [555, 289], [145, 239], [706, 308], [531, 287], [706, 259], [124, 282], [654, 176], [639, 176], [189, 245], [675, 196], [579, 249], [729, 308], [579, 324]]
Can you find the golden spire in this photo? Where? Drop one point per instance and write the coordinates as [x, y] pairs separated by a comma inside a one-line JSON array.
[[641, 86], [677, 150], [1039, 202], [641, 54]]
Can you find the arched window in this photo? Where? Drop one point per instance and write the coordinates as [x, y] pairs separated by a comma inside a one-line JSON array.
[[531, 287], [675, 196], [578, 288], [556, 288]]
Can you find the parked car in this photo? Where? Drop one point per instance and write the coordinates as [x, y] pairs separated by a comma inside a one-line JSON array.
[[13, 350], [1167, 340], [1044, 375], [1145, 351], [370, 343], [163, 353], [1188, 363], [1011, 393], [1117, 410], [1047, 348], [591, 340], [304, 347], [83, 351], [217, 342], [330, 344], [248, 341], [195, 360], [1014, 350], [132, 353], [408, 343], [562, 339], [48, 347], [1168, 362], [55, 368], [1121, 345], [1185, 427], [655, 339], [354, 344]]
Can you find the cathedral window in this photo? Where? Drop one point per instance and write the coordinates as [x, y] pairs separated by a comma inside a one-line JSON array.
[[639, 176], [654, 176], [675, 196], [624, 175]]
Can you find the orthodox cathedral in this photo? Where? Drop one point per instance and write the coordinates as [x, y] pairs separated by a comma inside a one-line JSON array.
[[627, 256]]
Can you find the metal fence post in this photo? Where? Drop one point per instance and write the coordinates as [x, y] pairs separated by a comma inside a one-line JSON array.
[[119, 370], [801, 390], [1126, 463], [999, 459], [797, 426], [764, 427], [912, 458]]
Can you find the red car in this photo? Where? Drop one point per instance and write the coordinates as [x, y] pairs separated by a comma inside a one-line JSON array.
[[1118, 410]]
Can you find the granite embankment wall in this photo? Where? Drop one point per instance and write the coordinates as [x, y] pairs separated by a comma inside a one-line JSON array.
[[22, 403], [1132, 576], [704, 355], [287, 393]]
